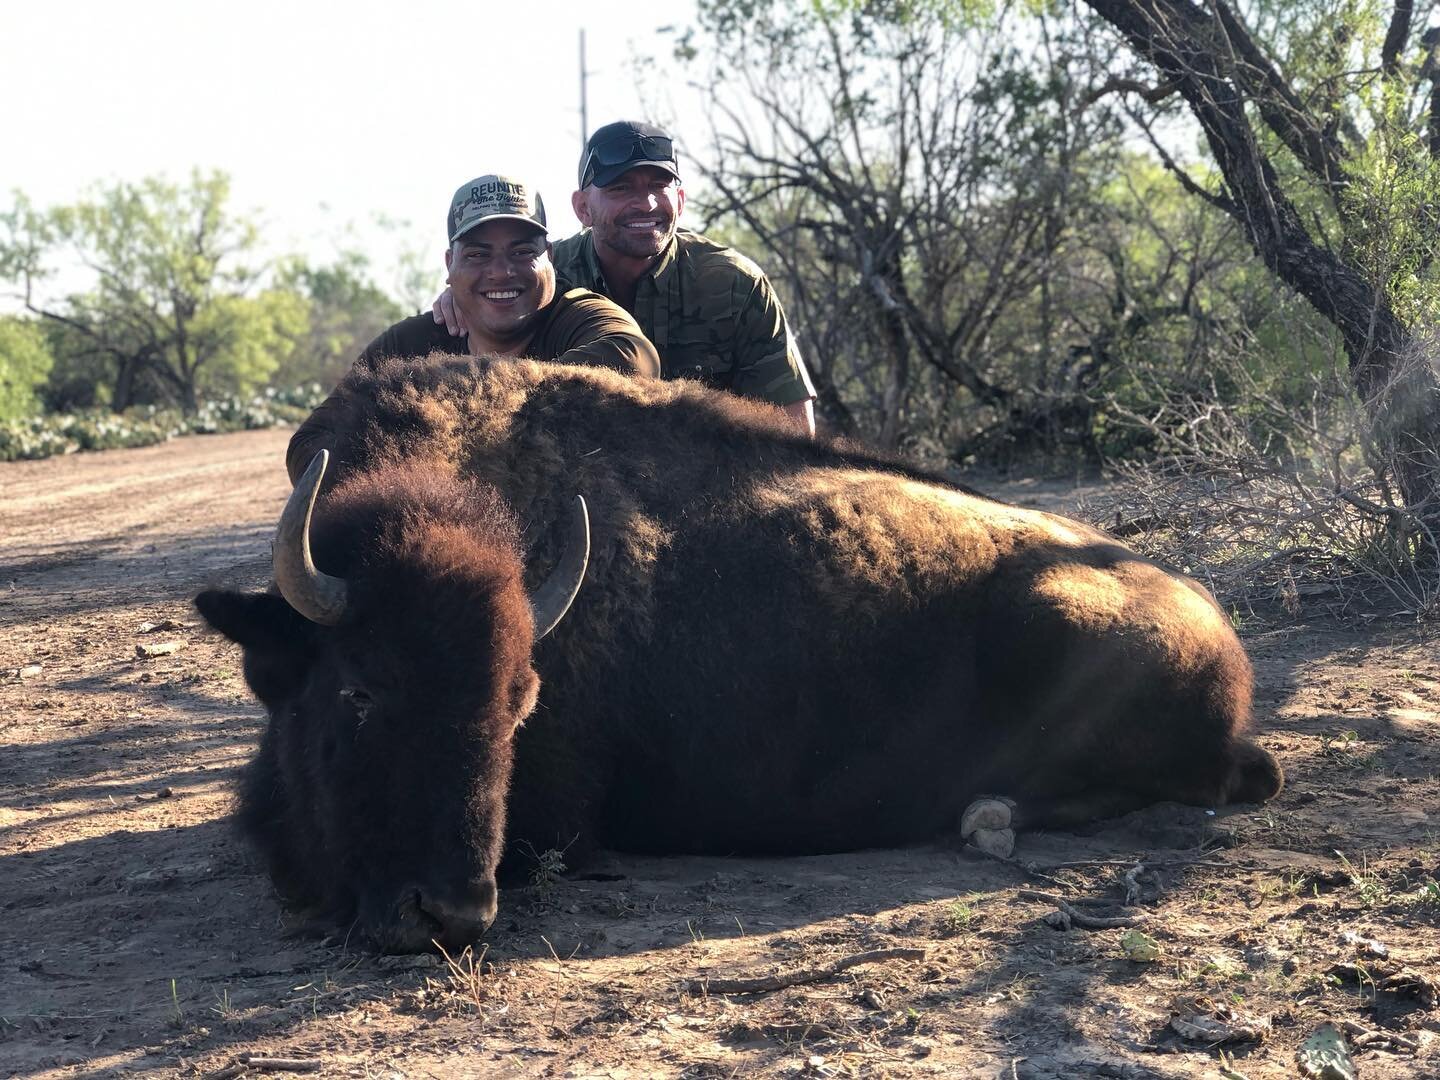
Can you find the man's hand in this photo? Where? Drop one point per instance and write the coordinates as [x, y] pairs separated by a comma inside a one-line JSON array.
[[444, 312], [802, 415]]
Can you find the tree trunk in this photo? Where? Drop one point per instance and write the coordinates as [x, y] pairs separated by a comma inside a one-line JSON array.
[[1187, 46], [897, 378], [124, 390], [189, 402]]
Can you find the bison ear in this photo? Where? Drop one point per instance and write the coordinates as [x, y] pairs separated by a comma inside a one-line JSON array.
[[260, 621], [274, 635]]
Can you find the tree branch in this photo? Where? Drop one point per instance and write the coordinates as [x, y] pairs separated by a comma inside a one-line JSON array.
[[1395, 38]]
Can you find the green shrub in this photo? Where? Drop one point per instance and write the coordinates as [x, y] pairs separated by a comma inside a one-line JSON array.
[[25, 362], [97, 429]]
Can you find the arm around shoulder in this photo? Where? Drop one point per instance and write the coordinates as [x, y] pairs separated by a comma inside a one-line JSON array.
[[591, 329]]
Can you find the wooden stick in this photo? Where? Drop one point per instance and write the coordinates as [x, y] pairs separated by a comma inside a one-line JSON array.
[[245, 1062], [1132, 883], [707, 985], [1024, 868], [1080, 919], [1153, 862], [270, 1064]]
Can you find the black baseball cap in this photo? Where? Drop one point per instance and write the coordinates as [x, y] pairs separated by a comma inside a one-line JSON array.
[[616, 148]]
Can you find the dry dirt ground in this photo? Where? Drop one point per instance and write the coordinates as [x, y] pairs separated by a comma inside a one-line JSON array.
[[138, 935]]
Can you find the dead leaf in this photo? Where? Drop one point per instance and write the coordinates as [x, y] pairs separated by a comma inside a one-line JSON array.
[[1200, 1019], [164, 624]]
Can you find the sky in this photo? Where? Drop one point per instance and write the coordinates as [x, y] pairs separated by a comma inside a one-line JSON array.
[[327, 116]]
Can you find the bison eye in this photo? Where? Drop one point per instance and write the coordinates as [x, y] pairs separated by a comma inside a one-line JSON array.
[[358, 700]]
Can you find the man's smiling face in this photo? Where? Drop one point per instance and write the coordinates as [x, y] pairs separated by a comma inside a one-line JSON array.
[[501, 276], [634, 215]]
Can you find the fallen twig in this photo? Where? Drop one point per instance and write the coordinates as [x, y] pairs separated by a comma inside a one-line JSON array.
[[708, 985], [1132, 883], [1101, 863], [247, 1062], [1366, 1039], [1079, 918], [1024, 868]]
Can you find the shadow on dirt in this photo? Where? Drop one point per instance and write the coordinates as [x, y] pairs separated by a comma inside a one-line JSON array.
[[191, 921], [66, 581], [123, 760]]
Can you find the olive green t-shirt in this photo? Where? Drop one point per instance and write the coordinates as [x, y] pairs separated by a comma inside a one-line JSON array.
[[711, 313], [578, 327]]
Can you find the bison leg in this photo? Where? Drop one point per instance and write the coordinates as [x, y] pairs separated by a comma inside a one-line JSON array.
[[988, 824], [1078, 808]]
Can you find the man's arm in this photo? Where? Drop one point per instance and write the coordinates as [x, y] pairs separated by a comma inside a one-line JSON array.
[[589, 329], [445, 314], [768, 366]]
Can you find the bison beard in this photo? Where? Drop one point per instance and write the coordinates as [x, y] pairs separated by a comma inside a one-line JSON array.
[[780, 647]]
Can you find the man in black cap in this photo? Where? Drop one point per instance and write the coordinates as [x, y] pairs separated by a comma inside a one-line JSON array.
[[503, 284], [710, 311]]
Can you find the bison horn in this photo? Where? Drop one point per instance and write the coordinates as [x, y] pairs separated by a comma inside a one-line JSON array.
[[316, 595], [552, 600]]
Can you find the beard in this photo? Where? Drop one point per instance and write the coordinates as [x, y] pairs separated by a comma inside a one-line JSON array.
[[639, 243]]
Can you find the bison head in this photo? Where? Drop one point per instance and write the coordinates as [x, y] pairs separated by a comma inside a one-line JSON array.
[[395, 680]]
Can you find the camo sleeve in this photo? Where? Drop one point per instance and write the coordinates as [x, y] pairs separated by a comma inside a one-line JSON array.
[[767, 363], [586, 328]]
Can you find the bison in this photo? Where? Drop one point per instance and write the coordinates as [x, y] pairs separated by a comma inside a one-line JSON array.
[[779, 646]]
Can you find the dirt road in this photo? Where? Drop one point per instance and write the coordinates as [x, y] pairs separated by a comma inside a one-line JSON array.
[[137, 936]]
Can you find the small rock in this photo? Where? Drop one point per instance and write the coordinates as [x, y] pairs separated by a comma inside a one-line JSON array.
[[165, 648]]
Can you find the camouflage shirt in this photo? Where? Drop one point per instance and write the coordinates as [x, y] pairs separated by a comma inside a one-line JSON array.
[[711, 313]]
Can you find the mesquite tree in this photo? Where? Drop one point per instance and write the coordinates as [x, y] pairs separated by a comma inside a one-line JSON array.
[[1323, 121], [915, 184]]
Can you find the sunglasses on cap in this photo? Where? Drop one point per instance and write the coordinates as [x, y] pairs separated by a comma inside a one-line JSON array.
[[622, 151]]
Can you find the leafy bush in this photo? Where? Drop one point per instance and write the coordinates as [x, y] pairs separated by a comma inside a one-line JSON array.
[[96, 429], [25, 362]]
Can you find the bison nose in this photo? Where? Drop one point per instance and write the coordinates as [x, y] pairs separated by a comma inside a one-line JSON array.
[[462, 917]]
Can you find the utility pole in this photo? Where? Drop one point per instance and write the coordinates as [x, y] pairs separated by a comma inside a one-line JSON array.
[[584, 110]]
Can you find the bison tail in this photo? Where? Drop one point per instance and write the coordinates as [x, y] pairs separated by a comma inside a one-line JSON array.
[[1255, 776]]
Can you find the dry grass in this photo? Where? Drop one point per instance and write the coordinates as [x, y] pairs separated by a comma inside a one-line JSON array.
[[1284, 501]]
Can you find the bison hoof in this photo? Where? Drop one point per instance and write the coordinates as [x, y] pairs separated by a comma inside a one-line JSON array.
[[997, 842], [987, 812]]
